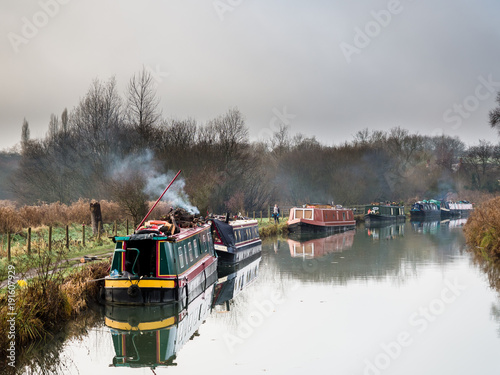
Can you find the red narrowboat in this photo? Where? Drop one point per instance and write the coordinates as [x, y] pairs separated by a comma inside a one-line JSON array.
[[320, 218]]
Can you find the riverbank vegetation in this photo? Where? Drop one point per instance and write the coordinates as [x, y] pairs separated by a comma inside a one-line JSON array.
[[482, 230], [44, 297], [114, 147]]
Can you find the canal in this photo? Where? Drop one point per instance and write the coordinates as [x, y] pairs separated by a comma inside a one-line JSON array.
[[404, 299]]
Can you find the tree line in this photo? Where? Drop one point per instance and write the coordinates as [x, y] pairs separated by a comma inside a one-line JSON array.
[[112, 147]]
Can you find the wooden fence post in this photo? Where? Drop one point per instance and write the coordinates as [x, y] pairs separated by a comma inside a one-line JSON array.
[[50, 238], [115, 229], [253, 215], [8, 246], [127, 227], [261, 216], [67, 237], [83, 235], [269, 213], [29, 241]]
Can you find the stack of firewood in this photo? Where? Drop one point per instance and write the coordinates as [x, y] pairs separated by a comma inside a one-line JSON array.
[[183, 218]]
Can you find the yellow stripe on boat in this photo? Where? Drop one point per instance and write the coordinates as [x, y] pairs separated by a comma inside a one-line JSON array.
[[120, 283], [147, 326]]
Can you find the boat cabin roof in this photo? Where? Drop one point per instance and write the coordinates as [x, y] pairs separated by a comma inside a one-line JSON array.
[[152, 232]]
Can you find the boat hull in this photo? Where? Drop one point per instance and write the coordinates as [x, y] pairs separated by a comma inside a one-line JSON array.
[[237, 254], [421, 215], [147, 291], [305, 227], [374, 219]]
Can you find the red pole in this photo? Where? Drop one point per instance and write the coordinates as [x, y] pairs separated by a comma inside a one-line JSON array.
[[161, 196]]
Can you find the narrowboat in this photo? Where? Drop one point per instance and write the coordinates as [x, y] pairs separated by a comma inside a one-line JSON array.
[[384, 213], [235, 240], [455, 209], [422, 210], [233, 280], [151, 336], [154, 266], [320, 218]]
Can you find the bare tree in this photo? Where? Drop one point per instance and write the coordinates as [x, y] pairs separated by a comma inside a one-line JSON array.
[[25, 134], [53, 126], [232, 133], [64, 121], [128, 191], [142, 103]]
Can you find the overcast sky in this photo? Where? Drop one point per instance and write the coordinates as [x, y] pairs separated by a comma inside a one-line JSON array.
[[326, 68]]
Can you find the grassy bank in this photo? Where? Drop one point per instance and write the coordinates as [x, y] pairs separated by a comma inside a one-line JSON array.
[[267, 229], [482, 231], [33, 310]]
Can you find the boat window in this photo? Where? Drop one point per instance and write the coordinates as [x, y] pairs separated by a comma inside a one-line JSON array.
[[196, 250], [190, 247], [299, 214], [209, 240], [186, 253], [180, 252], [343, 216], [308, 214]]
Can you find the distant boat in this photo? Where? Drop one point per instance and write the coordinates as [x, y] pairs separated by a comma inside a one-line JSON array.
[[425, 210], [320, 218], [455, 209], [236, 240], [153, 266], [384, 213]]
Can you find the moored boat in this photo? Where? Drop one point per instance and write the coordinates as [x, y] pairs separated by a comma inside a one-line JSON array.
[[455, 209], [422, 210], [236, 240], [384, 213], [153, 266], [320, 218]]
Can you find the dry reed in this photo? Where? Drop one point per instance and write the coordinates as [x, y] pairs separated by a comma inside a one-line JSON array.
[[14, 219], [482, 230]]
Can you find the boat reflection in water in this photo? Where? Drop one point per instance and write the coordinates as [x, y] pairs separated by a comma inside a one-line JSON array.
[[310, 246], [454, 223], [150, 336], [233, 280], [425, 226], [434, 226], [387, 232]]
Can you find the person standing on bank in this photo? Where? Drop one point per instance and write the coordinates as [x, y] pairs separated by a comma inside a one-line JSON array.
[[276, 214]]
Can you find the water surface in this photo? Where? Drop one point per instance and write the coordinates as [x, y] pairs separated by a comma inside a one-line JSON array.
[[404, 299]]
